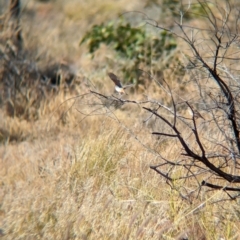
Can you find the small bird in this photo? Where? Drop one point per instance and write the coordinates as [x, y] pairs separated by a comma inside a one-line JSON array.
[[118, 85]]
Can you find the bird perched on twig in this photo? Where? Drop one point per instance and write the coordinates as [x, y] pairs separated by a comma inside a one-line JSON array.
[[118, 85]]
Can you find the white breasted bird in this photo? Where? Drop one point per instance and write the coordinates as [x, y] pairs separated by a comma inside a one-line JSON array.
[[118, 85]]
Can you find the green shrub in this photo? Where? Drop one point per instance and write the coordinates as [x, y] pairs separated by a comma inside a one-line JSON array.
[[130, 43]]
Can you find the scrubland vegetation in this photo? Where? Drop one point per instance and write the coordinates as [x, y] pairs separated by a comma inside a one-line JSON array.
[[78, 161]]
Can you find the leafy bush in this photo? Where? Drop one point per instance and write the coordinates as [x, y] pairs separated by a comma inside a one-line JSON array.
[[175, 7], [130, 43]]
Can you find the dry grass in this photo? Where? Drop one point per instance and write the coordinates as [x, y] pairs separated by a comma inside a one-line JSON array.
[[97, 184], [68, 176]]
